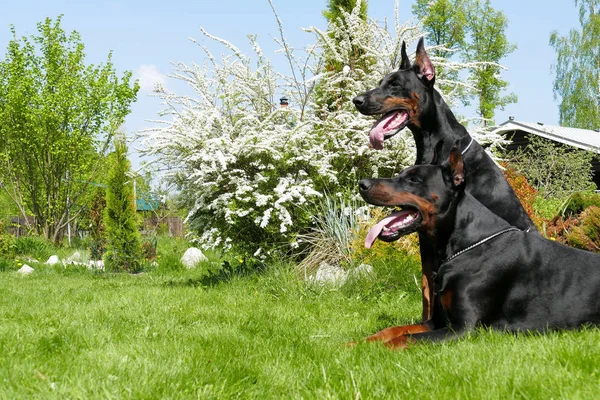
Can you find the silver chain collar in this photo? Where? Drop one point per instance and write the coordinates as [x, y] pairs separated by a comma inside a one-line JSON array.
[[482, 241]]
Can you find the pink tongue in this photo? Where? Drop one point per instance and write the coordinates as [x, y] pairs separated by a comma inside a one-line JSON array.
[[378, 130], [378, 227]]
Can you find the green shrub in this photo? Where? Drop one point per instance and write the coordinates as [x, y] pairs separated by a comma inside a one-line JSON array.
[[7, 244], [554, 170], [123, 251], [547, 208], [33, 246], [7, 241], [579, 201], [149, 248], [586, 235]]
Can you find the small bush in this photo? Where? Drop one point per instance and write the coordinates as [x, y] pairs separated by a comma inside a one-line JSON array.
[[97, 248], [123, 248], [547, 209], [525, 192], [149, 248], [554, 170], [586, 235], [33, 246], [579, 201], [7, 241], [5, 265], [7, 244]]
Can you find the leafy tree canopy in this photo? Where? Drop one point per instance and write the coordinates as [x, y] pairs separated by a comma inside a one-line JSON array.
[[577, 81], [57, 117]]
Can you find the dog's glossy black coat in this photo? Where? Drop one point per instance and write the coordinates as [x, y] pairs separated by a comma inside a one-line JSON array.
[[412, 88], [516, 281]]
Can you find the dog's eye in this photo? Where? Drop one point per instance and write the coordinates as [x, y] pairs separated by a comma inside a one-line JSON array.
[[395, 83], [414, 179]]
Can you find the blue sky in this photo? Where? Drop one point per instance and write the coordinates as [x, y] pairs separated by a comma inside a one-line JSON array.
[[146, 36]]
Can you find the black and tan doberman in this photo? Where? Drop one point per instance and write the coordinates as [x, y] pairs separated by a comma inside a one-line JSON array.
[[491, 273], [407, 98]]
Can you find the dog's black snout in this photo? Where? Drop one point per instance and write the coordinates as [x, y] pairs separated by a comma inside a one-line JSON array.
[[359, 100], [364, 185]]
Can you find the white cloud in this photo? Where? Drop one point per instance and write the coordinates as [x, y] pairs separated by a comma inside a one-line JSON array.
[[149, 77]]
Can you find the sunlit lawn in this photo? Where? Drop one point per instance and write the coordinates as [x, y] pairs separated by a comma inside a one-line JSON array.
[[164, 335]]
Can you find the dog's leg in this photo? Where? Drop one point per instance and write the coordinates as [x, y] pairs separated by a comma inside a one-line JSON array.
[[428, 265], [394, 332]]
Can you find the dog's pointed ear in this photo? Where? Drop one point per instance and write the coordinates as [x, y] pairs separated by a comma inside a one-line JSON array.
[[405, 63], [437, 152], [457, 165], [426, 72]]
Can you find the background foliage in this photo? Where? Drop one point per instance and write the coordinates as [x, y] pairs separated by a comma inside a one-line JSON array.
[[123, 246], [250, 171], [577, 82], [57, 117]]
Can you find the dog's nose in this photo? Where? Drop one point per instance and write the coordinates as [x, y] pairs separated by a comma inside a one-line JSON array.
[[359, 100], [364, 185]]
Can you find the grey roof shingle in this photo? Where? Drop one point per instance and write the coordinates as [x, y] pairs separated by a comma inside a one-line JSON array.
[[585, 139]]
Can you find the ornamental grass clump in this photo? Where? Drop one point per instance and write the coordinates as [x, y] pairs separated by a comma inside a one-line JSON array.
[[335, 227]]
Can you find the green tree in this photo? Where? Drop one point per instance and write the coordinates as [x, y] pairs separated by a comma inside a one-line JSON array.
[[445, 23], [488, 43], [577, 68], [475, 32], [554, 170], [123, 246], [57, 117]]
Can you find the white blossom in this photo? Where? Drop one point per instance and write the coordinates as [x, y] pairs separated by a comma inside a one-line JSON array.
[[244, 164]]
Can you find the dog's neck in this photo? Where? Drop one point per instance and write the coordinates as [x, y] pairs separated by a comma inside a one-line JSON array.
[[469, 222], [436, 122]]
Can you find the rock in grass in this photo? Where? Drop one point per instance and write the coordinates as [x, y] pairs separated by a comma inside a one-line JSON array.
[[96, 264], [328, 273], [74, 257], [192, 257], [25, 270], [52, 260], [363, 271]]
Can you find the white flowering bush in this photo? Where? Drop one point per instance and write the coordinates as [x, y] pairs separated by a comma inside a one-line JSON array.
[[250, 171]]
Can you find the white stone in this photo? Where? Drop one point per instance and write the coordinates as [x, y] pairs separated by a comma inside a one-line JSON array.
[[363, 271], [75, 259], [96, 264], [25, 269], [327, 273], [192, 257], [52, 260]]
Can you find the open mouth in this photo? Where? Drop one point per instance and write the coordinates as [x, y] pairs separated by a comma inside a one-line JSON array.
[[387, 126], [394, 226]]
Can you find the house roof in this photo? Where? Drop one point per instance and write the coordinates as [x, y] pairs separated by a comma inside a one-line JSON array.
[[585, 139]]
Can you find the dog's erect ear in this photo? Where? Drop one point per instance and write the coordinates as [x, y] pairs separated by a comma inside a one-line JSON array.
[[405, 63], [425, 72], [457, 166], [437, 152]]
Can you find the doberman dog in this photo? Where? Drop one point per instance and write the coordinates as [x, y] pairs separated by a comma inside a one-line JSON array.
[[407, 98], [492, 274]]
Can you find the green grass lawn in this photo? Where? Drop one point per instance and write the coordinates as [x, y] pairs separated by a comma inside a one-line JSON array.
[[78, 334]]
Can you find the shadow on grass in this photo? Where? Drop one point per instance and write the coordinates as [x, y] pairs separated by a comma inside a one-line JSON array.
[[224, 274]]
